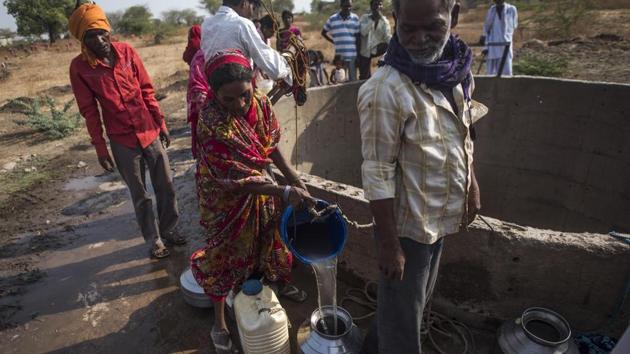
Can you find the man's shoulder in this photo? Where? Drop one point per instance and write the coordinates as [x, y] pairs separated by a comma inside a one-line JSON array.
[[123, 47], [77, 63], [384, 79]]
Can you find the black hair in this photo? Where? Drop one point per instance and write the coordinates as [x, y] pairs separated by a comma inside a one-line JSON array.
[[287, 13], [229, 73], [448, 4], [266, 22], [337, 57], [234, 3]]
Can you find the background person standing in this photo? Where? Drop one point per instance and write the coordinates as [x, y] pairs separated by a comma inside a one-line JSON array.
[[375, 34], [345, 30], [501, 21]]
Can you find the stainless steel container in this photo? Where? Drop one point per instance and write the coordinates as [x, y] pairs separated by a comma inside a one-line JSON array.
[[193, 293], [537, 331], [349, 340]]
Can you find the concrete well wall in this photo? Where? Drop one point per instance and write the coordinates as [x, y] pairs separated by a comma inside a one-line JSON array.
[[551, 153], [552, 156], [493, 272]]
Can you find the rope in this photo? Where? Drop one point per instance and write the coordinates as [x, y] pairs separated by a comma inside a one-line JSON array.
[[324, 213], [296, 56], [432, 322]]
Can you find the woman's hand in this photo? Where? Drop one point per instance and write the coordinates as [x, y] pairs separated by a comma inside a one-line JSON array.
[[300, 197]]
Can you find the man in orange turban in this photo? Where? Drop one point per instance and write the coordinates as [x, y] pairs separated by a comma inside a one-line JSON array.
[[111, 75], [87, 17]]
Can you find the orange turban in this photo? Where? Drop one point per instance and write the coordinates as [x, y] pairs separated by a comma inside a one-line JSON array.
[[86, 17]]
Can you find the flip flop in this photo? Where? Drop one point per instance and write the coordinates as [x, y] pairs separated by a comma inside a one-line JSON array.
[[175, 239], [222, 342], [291, 292], [159, 252]]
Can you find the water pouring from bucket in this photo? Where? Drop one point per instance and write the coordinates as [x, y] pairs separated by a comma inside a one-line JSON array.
[[317, 237]]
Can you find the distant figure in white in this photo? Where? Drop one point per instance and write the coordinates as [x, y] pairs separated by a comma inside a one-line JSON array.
[[501, 21]]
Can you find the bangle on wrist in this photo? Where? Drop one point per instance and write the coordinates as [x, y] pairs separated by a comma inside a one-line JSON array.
[[286, 192]]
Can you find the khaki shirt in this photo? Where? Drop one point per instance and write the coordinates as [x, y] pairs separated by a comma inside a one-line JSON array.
[[417, 151]]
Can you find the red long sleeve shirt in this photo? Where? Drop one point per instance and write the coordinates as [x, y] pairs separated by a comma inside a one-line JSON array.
[[126, 97]]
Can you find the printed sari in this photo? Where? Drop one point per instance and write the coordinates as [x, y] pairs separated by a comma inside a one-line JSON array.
[[243, 237]]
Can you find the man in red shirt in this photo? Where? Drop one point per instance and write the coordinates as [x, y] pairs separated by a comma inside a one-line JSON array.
[[111, 75]]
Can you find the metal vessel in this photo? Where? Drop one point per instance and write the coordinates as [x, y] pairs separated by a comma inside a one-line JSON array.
[[537, 331], [193, 293], [348, 341]]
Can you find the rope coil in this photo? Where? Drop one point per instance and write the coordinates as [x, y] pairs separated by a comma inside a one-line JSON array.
[[297, 58]]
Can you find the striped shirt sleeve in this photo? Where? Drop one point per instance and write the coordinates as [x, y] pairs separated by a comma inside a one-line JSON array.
[[328, 24]]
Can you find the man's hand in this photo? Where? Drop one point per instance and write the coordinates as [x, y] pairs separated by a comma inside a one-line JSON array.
[[391, 259], [106, 162], [474, 199], [165, 138]]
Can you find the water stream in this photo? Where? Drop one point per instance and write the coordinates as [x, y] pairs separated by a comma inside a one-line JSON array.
[[310, 241], [326, 276]]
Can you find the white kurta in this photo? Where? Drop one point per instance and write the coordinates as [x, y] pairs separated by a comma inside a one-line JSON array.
[[226, 30], [500, 30]]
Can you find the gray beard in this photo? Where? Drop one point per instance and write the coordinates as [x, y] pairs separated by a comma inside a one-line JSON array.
[[433, 57]]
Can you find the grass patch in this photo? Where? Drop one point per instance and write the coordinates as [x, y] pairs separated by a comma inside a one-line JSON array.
[[55, 123], [538, 66]]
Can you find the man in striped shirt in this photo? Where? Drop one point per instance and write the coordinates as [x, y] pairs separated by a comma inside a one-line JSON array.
[[345, 29]]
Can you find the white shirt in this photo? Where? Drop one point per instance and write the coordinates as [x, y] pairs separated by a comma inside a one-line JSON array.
[[417, 151], [500, 29], [227, 30], [371, 37], [339, 75]]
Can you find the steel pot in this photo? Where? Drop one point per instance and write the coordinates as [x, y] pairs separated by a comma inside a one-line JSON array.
[[348, 341], [193, 293], [537, 331]]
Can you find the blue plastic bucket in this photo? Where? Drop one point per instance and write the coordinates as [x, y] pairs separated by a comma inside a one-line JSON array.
[[313, 242]]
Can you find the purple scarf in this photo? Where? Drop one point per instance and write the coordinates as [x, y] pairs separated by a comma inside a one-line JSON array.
[[452, 69]]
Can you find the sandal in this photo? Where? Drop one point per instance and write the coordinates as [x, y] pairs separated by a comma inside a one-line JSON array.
[[292, 293], [173, 238], [222, 341], [159, 252]]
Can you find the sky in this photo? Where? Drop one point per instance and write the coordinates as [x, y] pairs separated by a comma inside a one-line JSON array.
[[156, 6]]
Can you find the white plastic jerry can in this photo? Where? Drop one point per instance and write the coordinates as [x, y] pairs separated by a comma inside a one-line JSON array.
[[262, 322]]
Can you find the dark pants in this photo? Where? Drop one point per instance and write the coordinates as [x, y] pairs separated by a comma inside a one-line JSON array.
[[401, 302], [365, 67], [132, 164]]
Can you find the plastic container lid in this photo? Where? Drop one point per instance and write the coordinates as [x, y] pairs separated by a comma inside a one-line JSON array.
[[252, 287]]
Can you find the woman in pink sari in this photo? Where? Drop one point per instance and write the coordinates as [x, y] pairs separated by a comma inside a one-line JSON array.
[[237, 139]]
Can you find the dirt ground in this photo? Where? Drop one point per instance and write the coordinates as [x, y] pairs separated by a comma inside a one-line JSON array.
[[74, 273]]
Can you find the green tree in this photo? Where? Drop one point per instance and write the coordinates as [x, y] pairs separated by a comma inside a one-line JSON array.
[[186, 17], [136, 20], [211, 5], [37, 17], [114, 19], [281, 5]]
